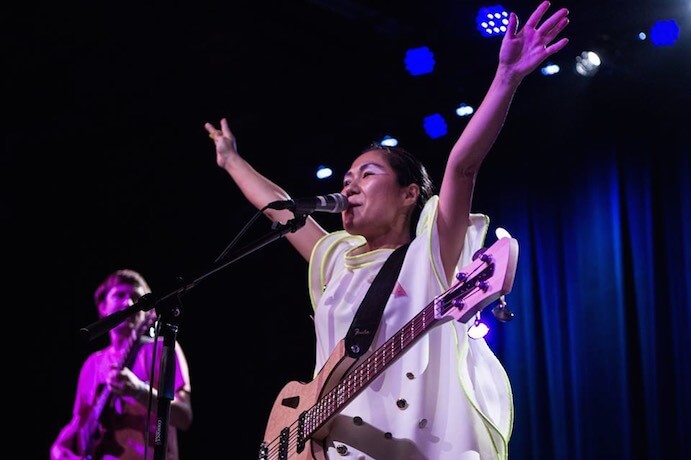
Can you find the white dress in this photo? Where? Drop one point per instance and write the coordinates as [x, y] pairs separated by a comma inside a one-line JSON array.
[[447, 396]]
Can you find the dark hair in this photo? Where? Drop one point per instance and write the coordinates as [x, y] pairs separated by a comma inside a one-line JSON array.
[[409, 170], [122, 276]]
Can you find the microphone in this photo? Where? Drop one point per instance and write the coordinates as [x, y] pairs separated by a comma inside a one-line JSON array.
[[333, 202]]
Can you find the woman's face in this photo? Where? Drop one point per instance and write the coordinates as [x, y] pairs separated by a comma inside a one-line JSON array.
[[376, 201]]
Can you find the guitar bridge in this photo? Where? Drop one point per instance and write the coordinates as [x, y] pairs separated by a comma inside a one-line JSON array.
[[263, 451]]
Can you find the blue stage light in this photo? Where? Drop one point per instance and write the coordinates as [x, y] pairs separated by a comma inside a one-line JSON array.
[[419, 61], [664, 33], [492, 20], [435, 126]]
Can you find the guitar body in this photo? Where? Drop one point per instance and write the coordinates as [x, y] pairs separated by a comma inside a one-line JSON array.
[[91, 436], [105, 442], [115, 443], [89, 442], [294, 399]]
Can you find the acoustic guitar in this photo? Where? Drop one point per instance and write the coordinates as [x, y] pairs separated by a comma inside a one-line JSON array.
[[91, 433]]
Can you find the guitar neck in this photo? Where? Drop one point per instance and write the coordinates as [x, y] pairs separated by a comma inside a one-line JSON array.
[[91, 425], [460, 302], [368, 369]]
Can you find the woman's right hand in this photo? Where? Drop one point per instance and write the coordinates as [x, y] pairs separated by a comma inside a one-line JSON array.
[[523, 49], [226, 146]]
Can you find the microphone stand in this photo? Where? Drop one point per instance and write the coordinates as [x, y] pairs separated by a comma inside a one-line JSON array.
[[169, 313]]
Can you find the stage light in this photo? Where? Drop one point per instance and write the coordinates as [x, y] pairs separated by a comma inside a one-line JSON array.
[[550, 69], [464, 110], [588, 63], [323, 172], [419, 61], [435, 126], [492, 20], [664, 33], [388, 141]]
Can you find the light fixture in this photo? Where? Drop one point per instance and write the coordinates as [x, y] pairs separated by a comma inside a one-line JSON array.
[[550, 69], [388, 141], [588, 63], [323, 172], [491, 21], [464, 110], [419, 61], [435, 126], [664, 33]]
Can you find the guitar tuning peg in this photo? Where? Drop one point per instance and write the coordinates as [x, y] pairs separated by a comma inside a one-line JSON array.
[[478, 329], [501, 311], [478, 253]]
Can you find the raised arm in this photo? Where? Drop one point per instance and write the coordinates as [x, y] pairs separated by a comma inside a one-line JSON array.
[[522, 50], [259, 190]]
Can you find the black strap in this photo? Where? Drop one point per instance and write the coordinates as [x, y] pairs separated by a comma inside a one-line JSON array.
[[366, 320]]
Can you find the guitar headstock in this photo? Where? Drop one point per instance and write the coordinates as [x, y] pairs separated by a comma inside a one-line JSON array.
[[488, 277]]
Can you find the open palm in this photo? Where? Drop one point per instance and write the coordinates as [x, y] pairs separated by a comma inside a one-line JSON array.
[[522, 50]]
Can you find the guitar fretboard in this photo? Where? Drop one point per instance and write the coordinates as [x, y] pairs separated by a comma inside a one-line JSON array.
[[371, 367], [380, 359], [90, 427]]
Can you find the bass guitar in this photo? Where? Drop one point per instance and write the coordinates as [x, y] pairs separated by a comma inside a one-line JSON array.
[[300, 416]]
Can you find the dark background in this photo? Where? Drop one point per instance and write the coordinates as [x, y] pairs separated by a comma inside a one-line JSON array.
[[108, 164]]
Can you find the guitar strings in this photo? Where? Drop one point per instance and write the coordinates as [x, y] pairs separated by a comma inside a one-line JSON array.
[[356, 380]]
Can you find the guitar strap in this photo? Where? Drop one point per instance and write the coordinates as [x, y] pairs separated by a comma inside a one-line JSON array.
[[366, 321]]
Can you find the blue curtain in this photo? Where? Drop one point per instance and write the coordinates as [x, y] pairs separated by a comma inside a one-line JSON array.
[[598, 353]]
